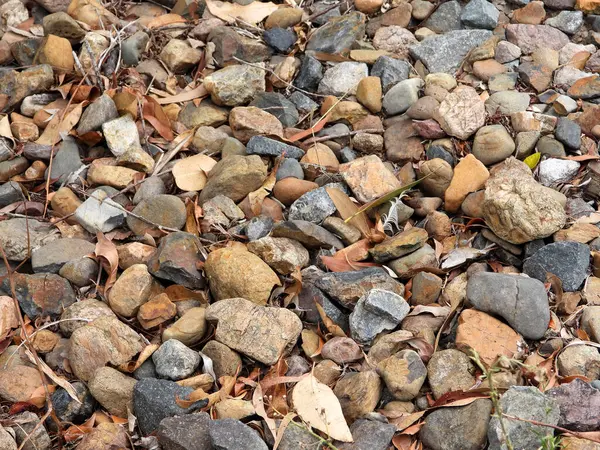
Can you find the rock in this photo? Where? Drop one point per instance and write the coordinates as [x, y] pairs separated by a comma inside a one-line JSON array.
[[235, 177], [462, 113], [104, 434], [531, 37], [232, 408], [403, 374], [19, 236], [162, 210], [369, 93], [184, 432], [174, 361], [579, 360], [314, 206], [18, 85], [309, 75], [231, 434], [338, 34], [401, 244], [450, 370], [394, 39], [521, 301], [189, 329], [229, 44], [369, 434], [157, 311], [554, 170], [176, 260], [28, 434], [97, 43], [492, 144], [121, 135], [96, 114], [390, 71], [263, 146], [343, 78], [407, 266], [105, 171], [445, 53], [464, 427], [358, 393], [579, 402], [512, 188], [439, 175], [155, 400], [280, 39], [568, 260], [113, 390], [52, 256], [226, 362], [341, 350], [282, 254], [131, 290], [289, 168], [567, 21], [18, 382], [6, 440], [376, 311], [62, 25], [207, 114], [258, 227], [105, 340], [470, 175], [445, 18], [235, 272], [133, 47], [89, 309], [277, 105], [507, 102], [368, 178], [535, 75], [568, 132], [179, 56], [307, 233], [487, 336], [549, 146], [235, 85], [480, 14], [402, 96], [526, 403], [10, 192], [69, 410]]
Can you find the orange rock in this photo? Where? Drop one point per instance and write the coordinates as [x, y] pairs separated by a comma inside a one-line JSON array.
[[589, 6], [57, 52], [470, 175], [92, 13], [487, 68], [490, 338], [270, 208], [532, 14], [368, 6], [369, 93], [320, 155], [65, 202], [288, 190], [134, 253], [156, 311], [45, 340]]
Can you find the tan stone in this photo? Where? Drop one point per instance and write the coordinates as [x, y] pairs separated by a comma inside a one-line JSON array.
[[45, 340], [368, 178], [234, 408], [131, 290], [105, 435], [369, 93], [283, 18], [470, 175], [92, 13], [532, 14], [321, 155], [134, 253], [9, 318], [487, 68], [104, 171], [288, 190], [368, 6], [18, 383], [246, 122], [225, 361], [156, 312], [113, 390], [358, 393], [189, 329], [57, 52]]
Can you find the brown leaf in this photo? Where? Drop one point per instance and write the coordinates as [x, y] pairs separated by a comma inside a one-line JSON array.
[[185, 96], [256, 198], [164, 20], [252, 13], [190, 173], [179, 293], [154, 114], [347, 208], [339, 265], [106, 252], [59, 126], [331, 326]]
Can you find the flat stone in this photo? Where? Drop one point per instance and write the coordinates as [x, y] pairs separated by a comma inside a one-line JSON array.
[[121, 134], [231, 434], [113, 390], [403, 374], [314, 206], [492, 144], [368, 178], [282, 254], [338, 34], [162, 210], [276, 104], [175, 361], [102, 110], [470, 175], [450, 370], [399, 245], [507, 102], [390, 71], [263, 146], [235, 85], [553, 170], [343, 78], [445, 18], [179, 56], [185, 432], [568, 132], [309, 75], [176, 260], [462, 112], [579, 404], [189, 329], [567, 21], [568, 260], [480, 14], [10, 192], [531, 37], [88, 309], [358, 393], [235, 177]]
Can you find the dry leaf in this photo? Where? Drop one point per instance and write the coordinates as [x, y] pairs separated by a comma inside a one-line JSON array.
[[60, 381], [154, 114], [256, 198], [344, 265], [190, 173], [347, 208], [164, 20], [332, 327], [107, 254], [185, 96], [318, 406], [252, 13], [56, 128], [5, 129]]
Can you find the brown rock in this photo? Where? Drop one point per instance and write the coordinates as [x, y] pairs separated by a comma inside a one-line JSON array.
[[470, 175], [369, 93], [18, 383], [487, 336], [533, 13], [56, 52], [321, 155], [368, 178], [226, 362], [113, 390], [532, 37], [537, 76], [104, 171], [261, 333], [233, 408], [341, 350], [423, 109], [288, 190], [189, 329], [450, 370], [358, 393], [134, 253], [64, 202], [106, 340], [9, 318], [327, 372], [398, 16], [401, 244], [404, 373], [90, 12], [105, 435], [283, 18], [426, 288], [131, 290], [487, 68], [156, 312], [89, 309], [179, 56], [282, 254], [402, 142], [44, 341], [249, 121], [472, 204], [438, 176]]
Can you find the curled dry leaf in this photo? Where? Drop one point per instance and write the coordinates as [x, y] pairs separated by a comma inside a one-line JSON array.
[[252, 13], [190, 173], [60, 125], [331, 326], [318, 406], [154, 114], [106, 252]]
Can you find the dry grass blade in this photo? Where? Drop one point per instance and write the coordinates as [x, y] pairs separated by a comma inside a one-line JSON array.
[[106, 251], [55, 378]]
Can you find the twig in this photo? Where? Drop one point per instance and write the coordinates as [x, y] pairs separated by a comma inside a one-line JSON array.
[[556, 427]]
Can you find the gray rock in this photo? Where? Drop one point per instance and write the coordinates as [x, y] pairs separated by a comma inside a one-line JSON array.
[[231, 434], [307, 233], [369, 435], [521, 301], [461, 428], [258, 227], [338, 34], [554, 170], [402, 96], [188, 432], [437, 151], [526, 403], [69, 410], [568, 132], [288, 168], [549, 146], [326, 15], [568, 260], [314, 206], [343, 78], [151, 187], [177, 258], [567, 21], [146, 370], [133, 47], [27, 428], [506, 102], [296, 438], [445, 18], [5, 150], [507, 52], [154, 400], [446, 52], [99, 213], [303, 104], [480, 14], [33, 103], [162, 210], [121, 135], [102, 110], [280, 39], [52, 256], [450, 370], [175, 361], [376, 311], [264, 146], [309, 75], [65, 162], [8, 443], [10, 192], [390, 71], [19, 236], [81, 272], [276, 104], [579, 404]]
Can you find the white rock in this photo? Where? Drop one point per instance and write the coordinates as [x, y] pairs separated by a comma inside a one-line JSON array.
[[569, 50], [99, 213], [343, 78], [12, 13], [566, 76], [555, 170], [462, 112], [121, 135]]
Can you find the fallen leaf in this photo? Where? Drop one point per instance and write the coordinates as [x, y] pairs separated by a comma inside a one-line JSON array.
[[340, 265], [533, 160], [57, 128], [331, 326], [5, 129], [461, 255], [106, 252], [154, 114], [179, 293], [186, 96], [164, 20], [252, 13], [349, 210], [312, 130], [316, 404], [256, 198], [190, 173]]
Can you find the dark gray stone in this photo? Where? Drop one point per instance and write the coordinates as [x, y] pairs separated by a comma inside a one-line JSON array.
[[146, 370], [376, 311], [288, 168], [533, 246], [65, 162], [521, 301], [175, 361], [437, 151], [568, 260], [579, 405], [298, 438], [276, 104], [103, 109], [154, 400], [185, 432], [69, 410], [309, 75], [10, 192], [390, 71], [303, 103], [280, 39], [461, 428], [314, 206], [568, 132], [338, 34], [369, 435], [133, 47], [526, 403], [258, 227], [307, 233], [52, 256], [594, 21], [231, 434], [328, 13], [446, 52], [445, 18], [264, 146], [480, 14]]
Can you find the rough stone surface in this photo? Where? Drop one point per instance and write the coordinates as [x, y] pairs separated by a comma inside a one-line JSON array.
[[175, 361], [376, 311], [568, 260]]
